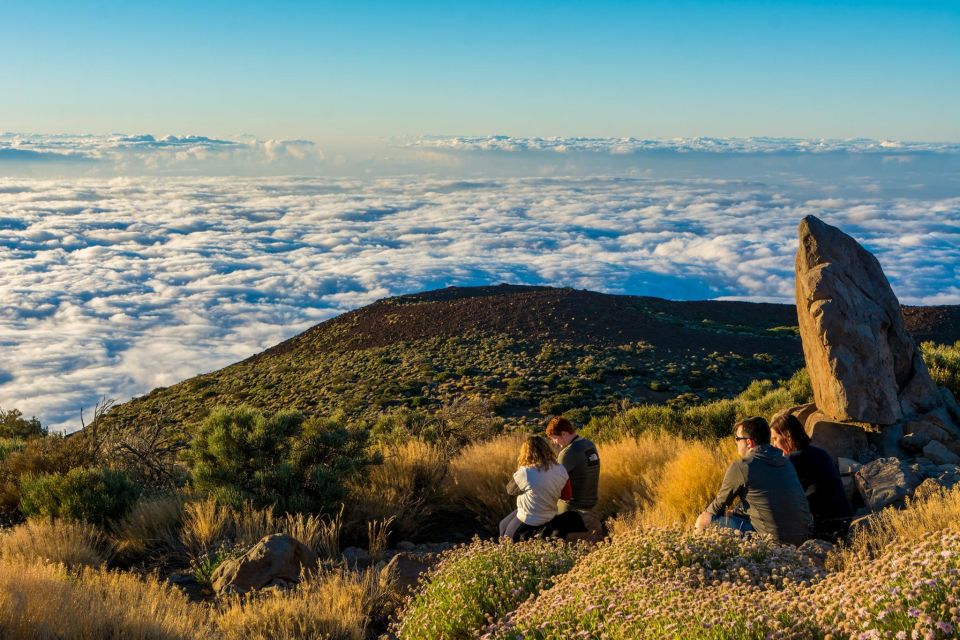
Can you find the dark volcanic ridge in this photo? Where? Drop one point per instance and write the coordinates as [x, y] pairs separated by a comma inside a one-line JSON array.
[[528, 350]]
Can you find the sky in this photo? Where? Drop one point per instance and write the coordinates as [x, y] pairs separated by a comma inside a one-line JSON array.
[[183, 185], [348, 74]]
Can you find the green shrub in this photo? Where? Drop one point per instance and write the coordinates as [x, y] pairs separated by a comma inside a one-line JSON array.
[[709, 420], [480, 582], [276, 460], [13, 425], [10, 445], [943, 361], [94, 495], [37, 456]]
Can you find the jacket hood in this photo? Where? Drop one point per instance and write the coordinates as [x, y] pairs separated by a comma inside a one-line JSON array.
[[768, 454]]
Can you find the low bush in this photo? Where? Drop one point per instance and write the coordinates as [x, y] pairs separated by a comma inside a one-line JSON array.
[[95, 495], [50, 454], [14, 425], [651, 582], [705, 421], [73, 544], [943, 362], [277, 460], [477, 583]]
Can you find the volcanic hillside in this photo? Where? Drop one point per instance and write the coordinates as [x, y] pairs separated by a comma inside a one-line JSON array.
[[529, 351]]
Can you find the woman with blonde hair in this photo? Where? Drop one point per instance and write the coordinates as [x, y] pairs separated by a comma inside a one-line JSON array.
[[538, 483]]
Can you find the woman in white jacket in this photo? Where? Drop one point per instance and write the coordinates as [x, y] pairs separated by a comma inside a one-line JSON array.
[[538, 484]]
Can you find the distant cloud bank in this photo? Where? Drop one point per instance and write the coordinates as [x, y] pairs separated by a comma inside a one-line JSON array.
[[113, 286], [624, 146]]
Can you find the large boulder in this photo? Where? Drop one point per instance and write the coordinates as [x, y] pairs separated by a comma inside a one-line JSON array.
[[886, 481], [838, 439], [862, 363], [276, 560]]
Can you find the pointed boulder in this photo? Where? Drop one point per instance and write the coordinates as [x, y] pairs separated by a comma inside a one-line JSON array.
[[863, 364]]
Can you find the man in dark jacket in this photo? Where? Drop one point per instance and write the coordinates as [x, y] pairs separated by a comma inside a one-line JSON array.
[[767, 485], [580, 458]]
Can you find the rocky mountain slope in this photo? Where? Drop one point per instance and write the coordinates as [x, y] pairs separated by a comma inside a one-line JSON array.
[[528, 351]]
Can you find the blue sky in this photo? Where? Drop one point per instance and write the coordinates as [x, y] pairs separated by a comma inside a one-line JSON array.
[[355, 72]]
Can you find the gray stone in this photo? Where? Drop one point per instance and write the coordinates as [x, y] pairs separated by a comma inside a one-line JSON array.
[[951, 403], [355, 556], [406, 545], [939, 454], [847, 467], [886, 481], [803, 411], [407, 567], [836, 438], [862, 363], [850, 488], [276, 560]]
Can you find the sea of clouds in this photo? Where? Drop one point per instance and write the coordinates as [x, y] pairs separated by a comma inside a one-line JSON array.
[[111, 286]]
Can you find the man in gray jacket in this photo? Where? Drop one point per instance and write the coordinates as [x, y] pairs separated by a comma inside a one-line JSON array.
[[770, 493], [579, 456]]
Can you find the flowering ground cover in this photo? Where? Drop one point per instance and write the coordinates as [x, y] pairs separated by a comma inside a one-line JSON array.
[[670, 583], [475, 584]]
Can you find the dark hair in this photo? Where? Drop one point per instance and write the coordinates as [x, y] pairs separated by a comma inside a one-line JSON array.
[[788, 427], [755, 428], [558, 425]]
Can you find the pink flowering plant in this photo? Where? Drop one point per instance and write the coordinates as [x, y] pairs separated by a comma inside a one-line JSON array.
[[473, 585], [663, 582], [667, 583]]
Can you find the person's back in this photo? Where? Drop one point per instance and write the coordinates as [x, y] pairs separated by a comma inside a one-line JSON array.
[[823, 487], [540, 490], [774, 498], [582, 462]]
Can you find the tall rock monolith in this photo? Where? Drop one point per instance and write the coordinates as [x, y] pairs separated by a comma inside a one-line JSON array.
[[863, 364]]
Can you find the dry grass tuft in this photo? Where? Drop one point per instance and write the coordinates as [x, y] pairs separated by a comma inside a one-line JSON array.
[[686, 485], [336, 605], [74, 544], [920, 520], [205, 525], [252, 524], [39, 601], [629, 471], [406, 487], [150, 524], [480, 473]]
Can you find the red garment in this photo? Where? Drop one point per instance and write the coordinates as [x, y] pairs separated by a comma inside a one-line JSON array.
[[567, 492]]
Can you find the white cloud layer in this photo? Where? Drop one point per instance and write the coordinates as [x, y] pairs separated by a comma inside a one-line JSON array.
[[624, 146], [113, 287]]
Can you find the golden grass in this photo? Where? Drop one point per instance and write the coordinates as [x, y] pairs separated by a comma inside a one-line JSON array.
[[205, 525], [406, 487], [629, 469], [250, 525], [336, 605], [151, 523], [686, 485], [921, 519], [40, 601], [73, 544], [479, 476]]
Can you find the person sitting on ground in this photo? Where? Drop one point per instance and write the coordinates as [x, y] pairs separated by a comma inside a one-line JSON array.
[[580, 458], [768, 488], [538, 482], [818, 475]]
